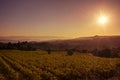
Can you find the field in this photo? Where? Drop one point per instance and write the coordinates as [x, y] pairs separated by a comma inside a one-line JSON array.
[[38, 65]]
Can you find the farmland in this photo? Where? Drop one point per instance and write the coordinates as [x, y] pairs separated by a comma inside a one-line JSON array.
[[39, 65]]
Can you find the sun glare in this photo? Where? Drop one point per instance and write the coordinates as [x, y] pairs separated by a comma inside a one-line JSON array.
[[102, 20]]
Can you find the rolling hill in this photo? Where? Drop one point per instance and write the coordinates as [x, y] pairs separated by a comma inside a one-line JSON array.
[[94, 42]]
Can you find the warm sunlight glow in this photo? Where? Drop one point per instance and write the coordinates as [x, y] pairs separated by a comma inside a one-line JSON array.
[[102, 19]]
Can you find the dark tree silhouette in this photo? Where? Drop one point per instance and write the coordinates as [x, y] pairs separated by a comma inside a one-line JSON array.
[[49, 51], [70, 52]]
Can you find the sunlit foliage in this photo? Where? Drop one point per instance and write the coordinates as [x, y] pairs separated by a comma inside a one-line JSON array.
[[39, 65]]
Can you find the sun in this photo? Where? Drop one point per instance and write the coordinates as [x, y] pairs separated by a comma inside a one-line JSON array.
[[102, 19]]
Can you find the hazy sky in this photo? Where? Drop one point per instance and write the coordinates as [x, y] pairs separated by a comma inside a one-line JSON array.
[[68, 18]]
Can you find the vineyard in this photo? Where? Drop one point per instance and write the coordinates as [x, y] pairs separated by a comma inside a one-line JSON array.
[[39, 65]]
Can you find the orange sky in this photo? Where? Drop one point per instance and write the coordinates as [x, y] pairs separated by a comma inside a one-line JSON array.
[[68, 18]]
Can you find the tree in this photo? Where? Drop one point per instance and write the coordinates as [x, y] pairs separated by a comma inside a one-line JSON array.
[[9, 45], [95, 52], [105, 53], [70, 52], [49, 51]]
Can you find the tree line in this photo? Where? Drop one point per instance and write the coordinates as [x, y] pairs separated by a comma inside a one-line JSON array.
[[29, 46], [18, 46]]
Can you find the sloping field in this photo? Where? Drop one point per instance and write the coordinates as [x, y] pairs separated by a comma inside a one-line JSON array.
[[38, 65]]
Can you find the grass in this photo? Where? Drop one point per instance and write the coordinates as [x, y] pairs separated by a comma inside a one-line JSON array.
[[38, 65]]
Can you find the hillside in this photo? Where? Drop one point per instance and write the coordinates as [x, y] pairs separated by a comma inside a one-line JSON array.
[[99, 42], [88, 43]]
